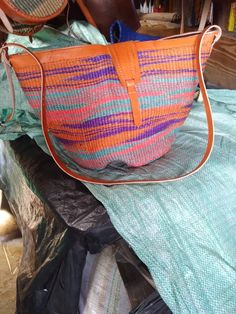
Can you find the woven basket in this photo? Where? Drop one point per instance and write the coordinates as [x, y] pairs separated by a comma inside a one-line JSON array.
[[121, 102], [32, 11]]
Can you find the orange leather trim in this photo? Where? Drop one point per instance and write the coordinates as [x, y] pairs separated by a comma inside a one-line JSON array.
[[79, 52], [86, 13], [20, 17], [125, 60]]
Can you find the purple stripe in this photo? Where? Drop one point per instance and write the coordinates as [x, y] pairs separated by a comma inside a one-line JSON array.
[[116, 130], [29, 78], [154, 61], [110, 120], [148, 122], [111, 69], [71, 69], [154, 72], [69, 142], [97, 60], [188, 106], [94, 75], [159, 128], [101, 121], [30, 75], [80, 85], [150, 53]]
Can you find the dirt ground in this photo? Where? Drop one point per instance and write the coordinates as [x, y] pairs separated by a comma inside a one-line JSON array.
[[10, 255]]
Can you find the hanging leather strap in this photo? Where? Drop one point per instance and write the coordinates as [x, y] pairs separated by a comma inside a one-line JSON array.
[[77, 176], [86, 13]]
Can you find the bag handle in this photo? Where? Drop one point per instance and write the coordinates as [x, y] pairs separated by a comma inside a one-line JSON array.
[[77, 176]]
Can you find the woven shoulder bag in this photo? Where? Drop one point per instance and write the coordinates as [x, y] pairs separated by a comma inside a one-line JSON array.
[[119, 102]]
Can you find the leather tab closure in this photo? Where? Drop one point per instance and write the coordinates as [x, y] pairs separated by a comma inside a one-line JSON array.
[[125, 60]]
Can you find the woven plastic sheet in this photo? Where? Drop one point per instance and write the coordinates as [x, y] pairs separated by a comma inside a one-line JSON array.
[[102, 289], [185, 232]]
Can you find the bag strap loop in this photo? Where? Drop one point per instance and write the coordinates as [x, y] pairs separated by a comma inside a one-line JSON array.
[[77, 176]]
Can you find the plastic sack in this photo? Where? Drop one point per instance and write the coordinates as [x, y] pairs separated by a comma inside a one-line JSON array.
[[60, 222]]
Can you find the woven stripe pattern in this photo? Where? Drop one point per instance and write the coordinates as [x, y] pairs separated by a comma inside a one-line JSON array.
[[89, 112], [37, 8], [21, 29]]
